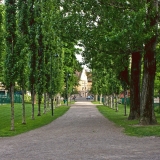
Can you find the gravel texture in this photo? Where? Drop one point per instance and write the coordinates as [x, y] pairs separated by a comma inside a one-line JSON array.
[[81, 134]]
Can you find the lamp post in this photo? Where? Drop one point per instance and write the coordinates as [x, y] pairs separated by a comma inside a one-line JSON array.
[[51, 82]]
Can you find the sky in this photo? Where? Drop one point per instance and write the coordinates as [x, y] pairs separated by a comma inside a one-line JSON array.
[[79, 57]]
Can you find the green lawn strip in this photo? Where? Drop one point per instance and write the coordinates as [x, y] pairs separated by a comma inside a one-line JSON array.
[[71, 102], [95, 102], [131, 127], [39, 121]]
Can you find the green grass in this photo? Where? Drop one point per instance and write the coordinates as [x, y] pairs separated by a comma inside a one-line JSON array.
[[131, 127], [95, 102], [39, 121]]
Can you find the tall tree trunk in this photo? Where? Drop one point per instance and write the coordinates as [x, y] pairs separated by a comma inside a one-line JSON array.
[[135, 86], [45, 103], [116, 103], [32, 99], [108, 101], [100, 98], [113, 101], [23, 108], [54, 101], [48, 102], [39, 105], [12, 106], [125, 101], [52, 104], [95, 97], [159, 99], [11, 56], [147, 95], [105, 100], [57, 100]]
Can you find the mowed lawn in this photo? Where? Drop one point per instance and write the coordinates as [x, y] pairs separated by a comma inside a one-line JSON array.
[[5, 118], [131, 127]]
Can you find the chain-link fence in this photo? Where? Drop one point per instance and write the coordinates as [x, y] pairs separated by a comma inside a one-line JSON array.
[[5, 98]]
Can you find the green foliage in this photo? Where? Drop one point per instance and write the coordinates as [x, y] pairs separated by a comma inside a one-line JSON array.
[[11, 64], [157, 108], [22, 48], [32, 45], [40, 83], [27, 98], [2, 53]]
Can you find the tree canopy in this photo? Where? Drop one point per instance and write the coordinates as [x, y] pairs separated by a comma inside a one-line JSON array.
[[120, 46]]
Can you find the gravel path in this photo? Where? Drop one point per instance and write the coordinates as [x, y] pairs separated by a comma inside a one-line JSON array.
[[81, 134]]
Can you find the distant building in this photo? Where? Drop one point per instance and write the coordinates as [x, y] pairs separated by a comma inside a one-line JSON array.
[[85, 83], [127, 94], [3, 91]]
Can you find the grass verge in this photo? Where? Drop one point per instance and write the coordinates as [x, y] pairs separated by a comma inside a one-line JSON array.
[[131, 127], [39, 121], [95, 102]]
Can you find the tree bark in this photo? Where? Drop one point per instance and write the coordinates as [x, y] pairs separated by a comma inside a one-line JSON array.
[[52, 105], [147, 95], [125, 100], [39, 105], [100, 98], [12, 106], [23, 108], [95, 97], [45, 103], [48, 102], [54, 102], [32, 98], [108, 101], [135, 86], [113, 101], [116, 103], [159, 99], [105, 100]]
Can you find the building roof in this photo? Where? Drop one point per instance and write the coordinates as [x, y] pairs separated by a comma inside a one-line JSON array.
[[84, 75]]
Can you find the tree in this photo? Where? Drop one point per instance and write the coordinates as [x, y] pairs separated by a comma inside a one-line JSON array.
[[11, 57], [1, 42], [40, 58], [140, 17], [22, 49], [135, 86], [48, 18], [147, 94], [32, 52]]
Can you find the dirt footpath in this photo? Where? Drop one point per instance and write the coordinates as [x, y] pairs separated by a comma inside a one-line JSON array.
[[81, 134]]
